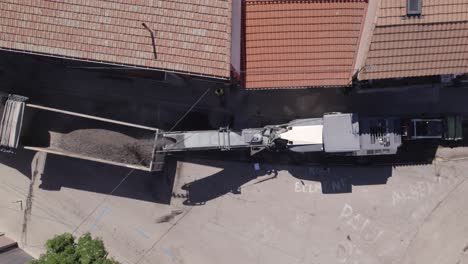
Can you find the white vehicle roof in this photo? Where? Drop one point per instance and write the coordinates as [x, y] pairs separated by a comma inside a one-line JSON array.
[[304, 135]]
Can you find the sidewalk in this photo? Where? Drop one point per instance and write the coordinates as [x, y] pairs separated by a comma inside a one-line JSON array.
[[10, 253]]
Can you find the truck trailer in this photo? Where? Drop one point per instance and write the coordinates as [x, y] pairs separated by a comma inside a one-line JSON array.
[[51, 130]]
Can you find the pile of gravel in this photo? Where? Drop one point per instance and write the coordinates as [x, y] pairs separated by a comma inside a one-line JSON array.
[[105, 144]]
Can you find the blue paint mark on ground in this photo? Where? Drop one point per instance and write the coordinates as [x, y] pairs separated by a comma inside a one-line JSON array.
[[101, 214], [141, 233], [168, 253]]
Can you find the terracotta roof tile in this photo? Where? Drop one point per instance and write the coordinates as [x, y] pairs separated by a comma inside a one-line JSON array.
[[434, 11], [187, 33], [433, 44], [301, 43]]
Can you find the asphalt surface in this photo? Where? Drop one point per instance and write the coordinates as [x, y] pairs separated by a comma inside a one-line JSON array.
[[111, 94], [160, 103], [205, 211]]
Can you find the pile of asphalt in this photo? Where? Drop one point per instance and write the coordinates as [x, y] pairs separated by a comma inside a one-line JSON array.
[[105, 144]]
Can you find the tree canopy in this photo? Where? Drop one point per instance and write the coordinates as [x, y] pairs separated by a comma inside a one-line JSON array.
[[62, 249]]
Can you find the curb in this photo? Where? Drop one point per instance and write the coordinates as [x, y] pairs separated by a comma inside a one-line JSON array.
[[7, 244]]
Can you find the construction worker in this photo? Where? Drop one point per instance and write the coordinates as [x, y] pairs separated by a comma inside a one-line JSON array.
[[219, 92]]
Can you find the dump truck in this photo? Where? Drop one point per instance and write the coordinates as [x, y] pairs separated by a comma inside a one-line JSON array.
[[51, 130], [40, 128]]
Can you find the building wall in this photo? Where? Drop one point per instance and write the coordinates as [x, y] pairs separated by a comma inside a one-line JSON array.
[[236, 34]]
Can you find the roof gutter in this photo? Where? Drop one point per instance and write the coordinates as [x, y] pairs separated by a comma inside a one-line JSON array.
[[114, 64]]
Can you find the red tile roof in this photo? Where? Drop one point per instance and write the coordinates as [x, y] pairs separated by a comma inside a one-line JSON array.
[[191, 36], [434, 44], [301, 43]]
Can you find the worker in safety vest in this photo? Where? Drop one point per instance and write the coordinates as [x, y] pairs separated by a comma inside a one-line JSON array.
[[220, 93]]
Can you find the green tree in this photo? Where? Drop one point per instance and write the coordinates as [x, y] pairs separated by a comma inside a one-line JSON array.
[[62, 249]]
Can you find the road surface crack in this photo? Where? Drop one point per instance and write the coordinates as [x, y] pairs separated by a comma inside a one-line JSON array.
[[28, 207]]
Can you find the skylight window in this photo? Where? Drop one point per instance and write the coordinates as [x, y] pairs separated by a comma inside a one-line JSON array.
[[414, 7]]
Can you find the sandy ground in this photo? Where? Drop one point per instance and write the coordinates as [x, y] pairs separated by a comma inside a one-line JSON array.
[[229, 212]]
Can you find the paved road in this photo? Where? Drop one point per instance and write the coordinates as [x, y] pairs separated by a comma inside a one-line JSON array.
[[444, 236], [159, 103], [228, 212], [277, 106], [145, 101]]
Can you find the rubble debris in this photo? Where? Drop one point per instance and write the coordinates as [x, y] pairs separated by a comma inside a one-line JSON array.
[[105, 144]]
